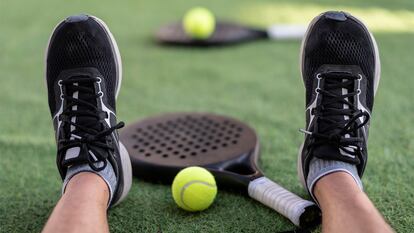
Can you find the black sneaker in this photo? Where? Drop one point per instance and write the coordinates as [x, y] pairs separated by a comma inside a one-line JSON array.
[[83, 75], [341, 71]]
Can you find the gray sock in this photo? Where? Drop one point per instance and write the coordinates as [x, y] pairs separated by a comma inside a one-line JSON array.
[[107, 174], [319, 168]]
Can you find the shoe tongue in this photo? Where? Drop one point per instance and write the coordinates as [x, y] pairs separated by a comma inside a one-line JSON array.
[[85, 121]]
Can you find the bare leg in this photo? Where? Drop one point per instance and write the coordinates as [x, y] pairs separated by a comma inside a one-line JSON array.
[[345, 208], [82, 207]]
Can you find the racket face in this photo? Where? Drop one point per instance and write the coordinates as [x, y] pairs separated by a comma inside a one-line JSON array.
[[224, 34], [161, 146]]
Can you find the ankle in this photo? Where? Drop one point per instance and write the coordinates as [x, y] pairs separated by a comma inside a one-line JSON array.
[[320, 168], [87, 185], [92, 177], [336, 186]]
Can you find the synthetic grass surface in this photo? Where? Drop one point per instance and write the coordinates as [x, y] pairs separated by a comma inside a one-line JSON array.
[[257, 82]]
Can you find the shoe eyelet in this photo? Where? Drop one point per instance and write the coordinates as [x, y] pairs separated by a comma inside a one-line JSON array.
[[99, 80], [318, 90], [61, 96], [358, 91], [60, 82], [359, 77], [100, 94], [318, 76]]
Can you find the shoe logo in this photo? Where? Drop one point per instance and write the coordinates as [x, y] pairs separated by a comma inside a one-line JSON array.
[[313, 104], [103, 106], [56, 116], [361, 107]]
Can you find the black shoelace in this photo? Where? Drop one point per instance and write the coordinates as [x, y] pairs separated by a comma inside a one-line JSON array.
[[327, 114], [91, 133]]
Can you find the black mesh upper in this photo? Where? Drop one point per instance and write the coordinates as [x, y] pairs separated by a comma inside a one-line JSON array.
[[339, 43], [81, 44]]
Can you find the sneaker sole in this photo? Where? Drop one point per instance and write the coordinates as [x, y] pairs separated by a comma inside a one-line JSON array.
[[377, 76], [127, 171], [125, 159]]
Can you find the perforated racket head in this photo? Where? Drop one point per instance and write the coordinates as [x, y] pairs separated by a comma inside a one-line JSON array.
[[224, 34], [161, 146]]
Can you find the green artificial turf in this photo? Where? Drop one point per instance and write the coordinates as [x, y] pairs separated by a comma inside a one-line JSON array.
[[257, 82]]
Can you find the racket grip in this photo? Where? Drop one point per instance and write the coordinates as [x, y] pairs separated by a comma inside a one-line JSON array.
[[284, 32], [284, 202]]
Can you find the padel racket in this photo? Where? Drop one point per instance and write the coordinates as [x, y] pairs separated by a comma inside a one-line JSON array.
[[161, 146], [227, 34]]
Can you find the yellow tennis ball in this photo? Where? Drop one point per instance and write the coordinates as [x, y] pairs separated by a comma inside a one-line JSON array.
[[199, 23], [194, 189]]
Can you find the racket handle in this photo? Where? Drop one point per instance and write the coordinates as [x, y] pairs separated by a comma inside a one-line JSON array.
[[283, 32], [301, 212]]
